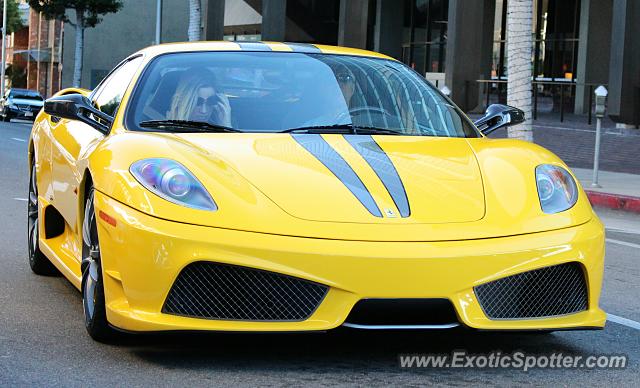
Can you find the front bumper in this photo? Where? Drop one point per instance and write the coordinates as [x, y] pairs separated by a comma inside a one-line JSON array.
[[143, 255], [28, 114]]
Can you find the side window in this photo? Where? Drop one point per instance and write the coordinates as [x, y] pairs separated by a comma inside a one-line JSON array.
[[109, 94]]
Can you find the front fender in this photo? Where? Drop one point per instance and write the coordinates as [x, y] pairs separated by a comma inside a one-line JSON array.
[[508, 173], [240, 205]]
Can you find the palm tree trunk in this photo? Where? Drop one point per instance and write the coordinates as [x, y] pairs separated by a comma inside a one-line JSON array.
[[77, 65], [195, 19], [519, 66]]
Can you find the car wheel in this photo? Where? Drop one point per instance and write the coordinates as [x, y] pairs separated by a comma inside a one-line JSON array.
[[37, 260], [93, 303]]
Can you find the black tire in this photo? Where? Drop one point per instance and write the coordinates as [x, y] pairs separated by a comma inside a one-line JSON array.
[[93, 303], [38, 262]]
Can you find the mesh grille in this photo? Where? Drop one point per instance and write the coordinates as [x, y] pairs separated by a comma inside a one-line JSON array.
[[220, 291], [545, 292]]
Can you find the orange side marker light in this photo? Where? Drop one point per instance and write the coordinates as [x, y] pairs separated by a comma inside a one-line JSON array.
[[107, 218]]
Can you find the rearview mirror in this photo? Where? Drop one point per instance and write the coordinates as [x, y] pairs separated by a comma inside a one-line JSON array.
[[78, 107], [498, 116]]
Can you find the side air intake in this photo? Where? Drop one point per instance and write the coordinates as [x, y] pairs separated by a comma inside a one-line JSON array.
[[220, 291]]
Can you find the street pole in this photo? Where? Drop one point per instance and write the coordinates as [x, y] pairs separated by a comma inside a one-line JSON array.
[[158, 21], [4, 48], [596, 156], [601, 98]]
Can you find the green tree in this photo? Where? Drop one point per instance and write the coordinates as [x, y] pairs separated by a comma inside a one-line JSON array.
[[17, 76], [87, 15], [14, 21]]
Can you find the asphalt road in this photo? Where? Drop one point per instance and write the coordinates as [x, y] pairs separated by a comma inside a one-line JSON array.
[[43, 340]]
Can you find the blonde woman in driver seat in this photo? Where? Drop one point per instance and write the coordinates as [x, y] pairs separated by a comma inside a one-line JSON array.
[[198, 98]]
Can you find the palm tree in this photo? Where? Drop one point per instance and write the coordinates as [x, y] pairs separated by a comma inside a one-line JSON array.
[[519, 65], [195, 20]]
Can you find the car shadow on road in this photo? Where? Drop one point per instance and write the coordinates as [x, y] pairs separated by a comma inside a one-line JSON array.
[[338, 348], [341, 349]]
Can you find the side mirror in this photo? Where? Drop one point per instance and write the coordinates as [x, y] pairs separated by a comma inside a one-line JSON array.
[[78, 107], [498, 116]]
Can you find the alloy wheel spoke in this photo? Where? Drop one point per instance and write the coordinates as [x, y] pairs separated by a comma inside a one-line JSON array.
[[30, 238], [33, 199], [34, 236], [32, 216], [91, 258], [34, 186], [89, 295]]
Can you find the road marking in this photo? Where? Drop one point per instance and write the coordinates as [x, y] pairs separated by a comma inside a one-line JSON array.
[[623, 321], [628, 244], [17, 139], [21, 199], [622, 231]]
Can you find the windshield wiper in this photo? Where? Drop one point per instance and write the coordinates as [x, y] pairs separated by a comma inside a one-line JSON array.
[[346, 128], [186, 126], [376, 131]]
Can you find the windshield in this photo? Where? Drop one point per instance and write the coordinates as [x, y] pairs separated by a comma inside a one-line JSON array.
[[276, 92], [25, 95]]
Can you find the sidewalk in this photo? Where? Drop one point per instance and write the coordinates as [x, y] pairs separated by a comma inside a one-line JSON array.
[[619, 191], [574, 141]]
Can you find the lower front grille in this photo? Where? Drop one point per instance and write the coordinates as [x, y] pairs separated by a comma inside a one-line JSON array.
[[228, 292], [545, 292], [402, 312]]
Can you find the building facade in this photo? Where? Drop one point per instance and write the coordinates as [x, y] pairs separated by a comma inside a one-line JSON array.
[[578, 44], [44, 53], [34, 52]]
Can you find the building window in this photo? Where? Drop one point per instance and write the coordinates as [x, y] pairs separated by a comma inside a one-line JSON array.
[[555, 33], [425, 35], [555, 53]]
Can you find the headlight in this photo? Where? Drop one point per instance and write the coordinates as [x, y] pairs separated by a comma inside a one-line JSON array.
[[173, 182], [556, 188]]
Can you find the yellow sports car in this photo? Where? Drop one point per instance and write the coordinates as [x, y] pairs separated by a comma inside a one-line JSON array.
[[295, 187]]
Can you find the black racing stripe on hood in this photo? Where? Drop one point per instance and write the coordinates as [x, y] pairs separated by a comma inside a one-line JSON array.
[[321, 150], [379, 161]]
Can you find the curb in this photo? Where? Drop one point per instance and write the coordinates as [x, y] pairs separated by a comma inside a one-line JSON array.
[[614, 201]]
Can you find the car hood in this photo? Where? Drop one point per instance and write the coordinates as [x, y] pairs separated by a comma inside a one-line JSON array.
[[290, 185], [357, 178], [26, 101]]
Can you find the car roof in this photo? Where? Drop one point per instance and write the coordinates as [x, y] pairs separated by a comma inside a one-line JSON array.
[[257, 46]]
